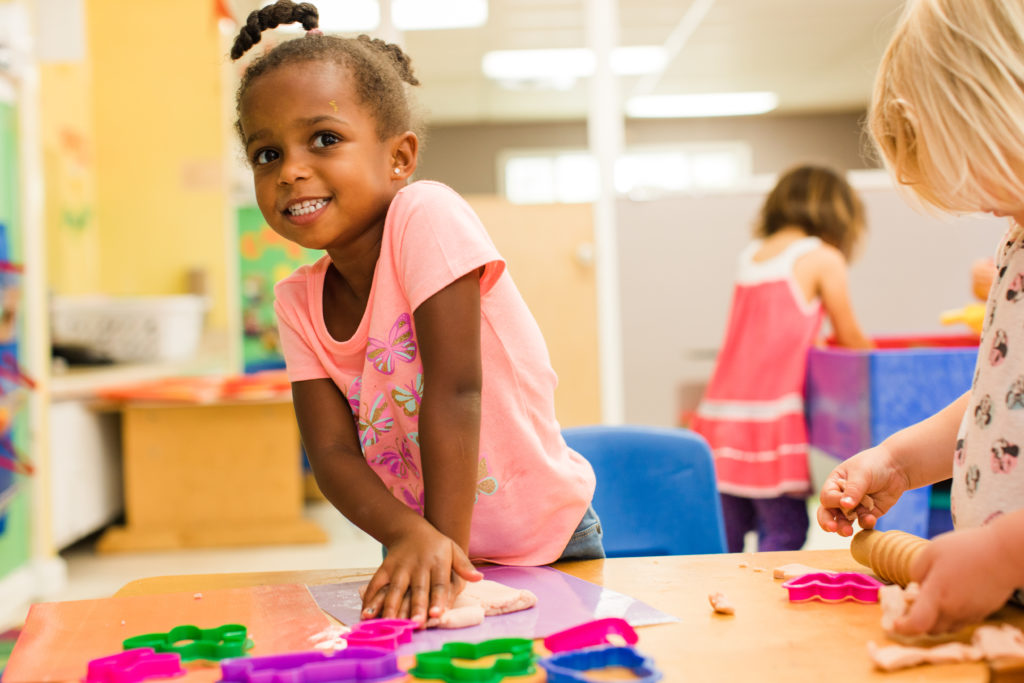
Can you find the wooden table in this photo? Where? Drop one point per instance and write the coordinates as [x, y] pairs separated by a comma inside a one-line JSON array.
[[768, 639]]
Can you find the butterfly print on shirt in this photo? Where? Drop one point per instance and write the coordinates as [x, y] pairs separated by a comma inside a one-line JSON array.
[[399, 347]]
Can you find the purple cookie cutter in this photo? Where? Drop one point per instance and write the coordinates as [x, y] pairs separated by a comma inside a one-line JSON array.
[[578, 666], [591, 634], [387, 634], [351, 665], [833, 587], [132, 666]]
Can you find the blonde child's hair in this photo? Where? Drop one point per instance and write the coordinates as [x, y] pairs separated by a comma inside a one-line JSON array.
[[947, 113], [820, 202]]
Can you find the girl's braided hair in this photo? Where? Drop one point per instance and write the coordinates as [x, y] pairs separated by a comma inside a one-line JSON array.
[[379, 70]]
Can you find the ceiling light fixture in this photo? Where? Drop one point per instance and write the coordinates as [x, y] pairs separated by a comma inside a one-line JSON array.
[[701, 105], [568, 63], [424, 15], [353, 16]]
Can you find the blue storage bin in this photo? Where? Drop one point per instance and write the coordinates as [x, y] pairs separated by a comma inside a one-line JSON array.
[[855, 399]]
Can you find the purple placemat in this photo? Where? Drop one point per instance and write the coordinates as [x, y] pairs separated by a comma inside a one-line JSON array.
[[562, 601]]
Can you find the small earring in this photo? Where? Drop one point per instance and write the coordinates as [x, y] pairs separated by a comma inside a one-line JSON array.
[[397, 171]]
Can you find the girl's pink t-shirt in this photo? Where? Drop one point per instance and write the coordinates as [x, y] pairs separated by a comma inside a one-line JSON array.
[[532, 490]]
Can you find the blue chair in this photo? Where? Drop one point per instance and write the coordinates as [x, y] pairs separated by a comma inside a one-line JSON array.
[[656, 491]]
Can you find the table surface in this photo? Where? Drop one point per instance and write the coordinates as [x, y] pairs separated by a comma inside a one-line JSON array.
[[768, 638]]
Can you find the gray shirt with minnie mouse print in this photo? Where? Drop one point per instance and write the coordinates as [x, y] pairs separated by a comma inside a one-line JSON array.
[[987, 480]]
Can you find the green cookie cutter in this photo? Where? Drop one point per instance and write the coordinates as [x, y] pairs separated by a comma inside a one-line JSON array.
[[438, 664], [191, 642]]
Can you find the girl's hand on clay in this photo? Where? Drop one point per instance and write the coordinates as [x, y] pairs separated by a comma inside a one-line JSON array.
[[419, 579], [964, 576], [861, 488]]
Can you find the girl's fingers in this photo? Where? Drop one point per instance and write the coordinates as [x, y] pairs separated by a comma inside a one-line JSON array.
[[396, 593], [373, 594], [373, 602], [440, 592], [419, 599]]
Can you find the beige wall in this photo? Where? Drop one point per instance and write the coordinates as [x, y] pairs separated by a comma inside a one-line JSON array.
[[466, 157]]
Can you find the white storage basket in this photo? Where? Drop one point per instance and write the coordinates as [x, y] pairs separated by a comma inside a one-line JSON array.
[[130, 329]]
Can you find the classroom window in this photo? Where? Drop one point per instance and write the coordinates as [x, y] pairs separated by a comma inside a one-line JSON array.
[[571, 176]]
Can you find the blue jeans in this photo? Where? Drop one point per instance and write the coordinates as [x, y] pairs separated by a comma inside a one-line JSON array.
[[585, 543]]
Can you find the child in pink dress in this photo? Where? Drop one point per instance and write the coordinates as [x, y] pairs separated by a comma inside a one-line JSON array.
[[752, 413]]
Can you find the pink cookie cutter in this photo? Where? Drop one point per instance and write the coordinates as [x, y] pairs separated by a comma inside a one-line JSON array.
[[383, 633], [833, 587], [591, 634], [132, 666]]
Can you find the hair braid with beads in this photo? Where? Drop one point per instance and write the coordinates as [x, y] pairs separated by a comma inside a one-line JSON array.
[[380, 70]]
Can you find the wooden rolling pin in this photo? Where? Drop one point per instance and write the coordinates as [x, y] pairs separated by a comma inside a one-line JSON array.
[[888, 553]]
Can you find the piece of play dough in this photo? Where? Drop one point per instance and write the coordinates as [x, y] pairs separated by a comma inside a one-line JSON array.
[[892, 657], [791, 571], [988, 642], [895, 601], [480, 599], [720, 603]]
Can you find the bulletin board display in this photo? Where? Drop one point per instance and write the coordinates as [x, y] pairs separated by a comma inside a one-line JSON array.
[[264, 258], [15, 467]]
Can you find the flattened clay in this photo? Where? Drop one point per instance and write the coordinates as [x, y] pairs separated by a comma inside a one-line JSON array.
[[480, 599], [893, 657], [791, 571], [988, 642], [997, 642], [720, 603]]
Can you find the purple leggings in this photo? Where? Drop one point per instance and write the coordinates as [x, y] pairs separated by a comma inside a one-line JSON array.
[[781, 523]]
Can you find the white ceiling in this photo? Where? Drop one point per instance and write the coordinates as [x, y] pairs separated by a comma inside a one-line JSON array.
[[817, 55]]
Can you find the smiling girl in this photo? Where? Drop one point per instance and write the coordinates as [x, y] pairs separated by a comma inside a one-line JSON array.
[[422, 385]]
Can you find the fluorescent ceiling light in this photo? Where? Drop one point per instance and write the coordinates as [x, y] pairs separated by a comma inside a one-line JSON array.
[[692, 106], [569, 63], [353, 16], [348, 16], [423, 15]]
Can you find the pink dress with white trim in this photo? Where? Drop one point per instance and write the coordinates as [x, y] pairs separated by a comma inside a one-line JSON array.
[[752, 413]]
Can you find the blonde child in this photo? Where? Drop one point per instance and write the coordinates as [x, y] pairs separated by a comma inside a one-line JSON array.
[[752, 413], [948, 117], [422, 385]]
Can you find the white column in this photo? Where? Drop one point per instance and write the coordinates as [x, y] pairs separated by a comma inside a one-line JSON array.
[[605, 135]]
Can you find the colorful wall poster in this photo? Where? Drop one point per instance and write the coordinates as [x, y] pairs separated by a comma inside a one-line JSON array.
[[264, 258]]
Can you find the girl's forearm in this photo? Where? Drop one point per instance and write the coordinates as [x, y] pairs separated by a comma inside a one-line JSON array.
[[450, 453], [924, 451], [355, 490]]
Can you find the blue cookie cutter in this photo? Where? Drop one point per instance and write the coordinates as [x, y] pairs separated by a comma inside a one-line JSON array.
[[192, 642], [351, 665], [515, 658], [132, 666], [572, 667]]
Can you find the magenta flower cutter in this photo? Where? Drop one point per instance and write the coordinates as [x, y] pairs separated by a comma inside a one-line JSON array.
[[833, 587], [351, 665], [132, 666], [579, 666], [383, 633], [591, 634]]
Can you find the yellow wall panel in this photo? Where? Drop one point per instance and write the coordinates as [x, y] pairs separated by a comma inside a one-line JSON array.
[[161, 186]]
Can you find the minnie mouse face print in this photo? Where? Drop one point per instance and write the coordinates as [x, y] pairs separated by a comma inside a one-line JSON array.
[[1004, 456], [1000, 346]]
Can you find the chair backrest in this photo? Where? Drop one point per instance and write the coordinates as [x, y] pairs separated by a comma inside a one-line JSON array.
[[656, 490]]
